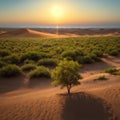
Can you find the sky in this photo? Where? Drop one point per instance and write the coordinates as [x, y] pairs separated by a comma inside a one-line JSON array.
[[59, 12]]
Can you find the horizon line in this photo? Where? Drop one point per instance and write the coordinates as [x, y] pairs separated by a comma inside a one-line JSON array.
[[61, 26]]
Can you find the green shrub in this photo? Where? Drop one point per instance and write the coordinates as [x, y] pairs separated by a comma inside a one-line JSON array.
[[76, 55], [2, 64], [4, 53], [28, 67], [10, 71], [59, 50], [69, 54], [12, 59], [40, 72], [112, 71], [98, 53], [113, 52], [33, 56], [87, 60], [43, 55], [118, 73], [80, 59], [94, 57], [30, 56], [29, 62], [79, 52], [47, 62], [101, 78]]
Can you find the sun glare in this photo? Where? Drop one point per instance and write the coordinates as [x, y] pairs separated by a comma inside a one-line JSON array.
[[57, 11]]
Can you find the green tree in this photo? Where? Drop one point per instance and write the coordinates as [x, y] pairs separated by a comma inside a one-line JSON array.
[[66, 74]]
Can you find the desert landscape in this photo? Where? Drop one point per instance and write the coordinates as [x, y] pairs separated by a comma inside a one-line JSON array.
[[25, 98], [63, 32], [91, 100], [59, 60]]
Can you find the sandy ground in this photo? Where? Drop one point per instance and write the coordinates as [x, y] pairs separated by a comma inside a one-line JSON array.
[[54, 33], [26, 33], [92, 100]]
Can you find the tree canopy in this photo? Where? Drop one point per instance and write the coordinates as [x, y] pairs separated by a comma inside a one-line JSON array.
[[66, 74]]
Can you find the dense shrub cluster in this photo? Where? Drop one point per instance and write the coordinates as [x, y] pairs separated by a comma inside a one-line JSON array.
[[114, 52], [81, 57], [12, 59], [39, 72], [29, 62], [47, 62], [28, 67], [2, 64], [30, 56], [9, 71], [4, 53], [31, 50]]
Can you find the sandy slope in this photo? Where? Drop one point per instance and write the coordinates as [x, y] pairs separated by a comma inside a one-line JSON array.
[[26, 33], [92, 100], [36, 106], [51, 32], [112, 95]]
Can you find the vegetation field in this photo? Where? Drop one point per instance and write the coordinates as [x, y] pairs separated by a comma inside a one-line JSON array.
[[29, 53]]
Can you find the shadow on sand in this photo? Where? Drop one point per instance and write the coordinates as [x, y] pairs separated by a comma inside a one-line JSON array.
[[97, 66], [10, 84], [83, 106], [39, 83], [15, 83]]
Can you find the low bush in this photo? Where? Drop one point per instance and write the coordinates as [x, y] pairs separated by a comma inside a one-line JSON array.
[[30, 56], [69, 54], [35, 56], [118, 73], [4, 53], [101, 78], [98, 53], [112, 71], [87, 60], [113, 52], [43, 55], [10, 71], [2, 64], [94, 57], [12, 59], [29, 61], [47, 62], [80, 59], [28, 67], [40, 72]]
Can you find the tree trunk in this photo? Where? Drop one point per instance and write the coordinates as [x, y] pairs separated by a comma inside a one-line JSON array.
[[69, 92], [68, 89]]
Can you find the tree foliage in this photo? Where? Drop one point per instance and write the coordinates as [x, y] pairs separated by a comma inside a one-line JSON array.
[[66, 74]]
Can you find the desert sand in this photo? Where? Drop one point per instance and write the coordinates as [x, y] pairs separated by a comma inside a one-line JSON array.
[[92, 100], [26, 33], [54, 33]]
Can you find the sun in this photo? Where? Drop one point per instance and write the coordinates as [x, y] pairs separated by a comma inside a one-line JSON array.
[[57, 11]]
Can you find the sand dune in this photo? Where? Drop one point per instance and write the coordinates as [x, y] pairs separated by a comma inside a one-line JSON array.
[[63, 32], [26, 33], [54, 107], [92, 100], [83, 32], [112, 95]]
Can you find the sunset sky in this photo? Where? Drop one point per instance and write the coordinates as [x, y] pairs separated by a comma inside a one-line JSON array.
[[62, 12]]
